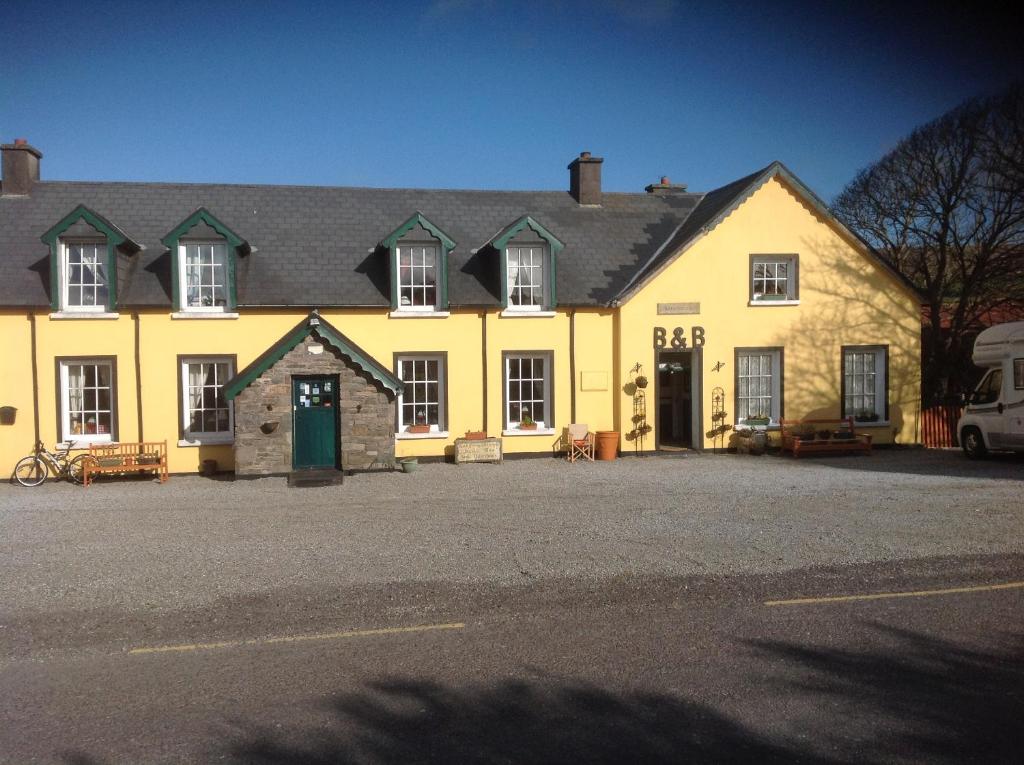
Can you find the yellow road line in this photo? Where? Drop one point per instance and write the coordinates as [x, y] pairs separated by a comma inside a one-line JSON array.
[[297, 638], [884, 595]]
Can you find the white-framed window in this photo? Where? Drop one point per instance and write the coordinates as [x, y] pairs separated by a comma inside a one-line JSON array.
[[864, 384], [759, 385], [773, 278], [203, 277], [87, 400], [527, 288], [417, 277], [207, 417], [421, 404], [528, 391], [85, 283]]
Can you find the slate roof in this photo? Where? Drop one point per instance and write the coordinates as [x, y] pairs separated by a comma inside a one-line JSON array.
[[315, 246]]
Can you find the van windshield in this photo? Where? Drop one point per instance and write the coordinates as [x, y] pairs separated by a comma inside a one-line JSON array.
[[989, 388]]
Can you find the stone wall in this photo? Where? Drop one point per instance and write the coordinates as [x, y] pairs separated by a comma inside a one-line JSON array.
[[366, 410]]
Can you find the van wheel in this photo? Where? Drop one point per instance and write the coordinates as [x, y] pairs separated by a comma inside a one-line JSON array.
[[973, 443]]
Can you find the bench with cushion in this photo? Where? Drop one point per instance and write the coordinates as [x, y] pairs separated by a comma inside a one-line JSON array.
[[126, 458], [823, 437]]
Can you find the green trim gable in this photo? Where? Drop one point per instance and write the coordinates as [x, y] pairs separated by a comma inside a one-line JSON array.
[[390, 242], [326, 331], [500, 243], [116, 238], [236, 244]]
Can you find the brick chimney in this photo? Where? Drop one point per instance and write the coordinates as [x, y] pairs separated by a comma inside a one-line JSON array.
[[665, 187], [20, 167], [585, 179]]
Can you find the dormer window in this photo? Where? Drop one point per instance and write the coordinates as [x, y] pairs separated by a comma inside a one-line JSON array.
[[526, 282], [417, 277], [418, 256], [203, 257], [84, 249], [204, 276], [84, 276], [527, 252]]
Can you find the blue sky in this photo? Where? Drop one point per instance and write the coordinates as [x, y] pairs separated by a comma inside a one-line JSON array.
[[479, 94]]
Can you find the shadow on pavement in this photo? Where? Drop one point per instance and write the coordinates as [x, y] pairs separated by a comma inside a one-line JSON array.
[[926, 699], [914, 461], [401, 720]]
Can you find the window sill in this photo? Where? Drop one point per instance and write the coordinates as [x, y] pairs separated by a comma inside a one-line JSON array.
[[84, 442], [538, 432], [874, 424], [186, 442], [762, 303], [84, 315], [204, 315], [742, 426], [403, 436], [419, 314], [512, 313]]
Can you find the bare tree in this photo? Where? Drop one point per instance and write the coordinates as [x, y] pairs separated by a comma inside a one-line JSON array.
[[946, 208]]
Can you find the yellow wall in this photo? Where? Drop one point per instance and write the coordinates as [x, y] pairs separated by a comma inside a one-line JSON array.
[[16, 440], [845, 299]]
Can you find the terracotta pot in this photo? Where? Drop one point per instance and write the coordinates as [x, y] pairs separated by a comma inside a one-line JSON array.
[[531, 426], [418, 429], [475, 435], [607, 444]]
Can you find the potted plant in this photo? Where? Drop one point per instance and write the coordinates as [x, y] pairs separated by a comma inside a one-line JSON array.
[[420, 426], [758, 420], [641, 382], [526, 422], [866, 415]]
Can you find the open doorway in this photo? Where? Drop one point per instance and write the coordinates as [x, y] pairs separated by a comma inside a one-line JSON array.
[[678, 395]]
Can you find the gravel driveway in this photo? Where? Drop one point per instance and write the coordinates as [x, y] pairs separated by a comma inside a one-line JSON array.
[[137, 545]]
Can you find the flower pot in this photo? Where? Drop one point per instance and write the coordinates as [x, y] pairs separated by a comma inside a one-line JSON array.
[[607, 442], [475, 435], [524, 426], [208, 469], [409, 465], [418, 429]]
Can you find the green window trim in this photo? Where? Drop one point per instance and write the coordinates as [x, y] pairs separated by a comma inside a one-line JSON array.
[[391, 242], [116, 238], [327, 332], [501, 241], [236, 246]]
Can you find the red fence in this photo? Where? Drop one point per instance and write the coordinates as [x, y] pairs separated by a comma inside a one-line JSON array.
[[938, 426]]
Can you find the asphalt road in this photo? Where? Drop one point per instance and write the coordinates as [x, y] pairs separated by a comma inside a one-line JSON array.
[[622, 669]]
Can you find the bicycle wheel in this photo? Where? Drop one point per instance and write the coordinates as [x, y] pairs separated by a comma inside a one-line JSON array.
[[76, 468], [30, 471]]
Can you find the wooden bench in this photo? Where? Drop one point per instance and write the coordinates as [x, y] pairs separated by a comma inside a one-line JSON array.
[[126, 458], [808, 437]]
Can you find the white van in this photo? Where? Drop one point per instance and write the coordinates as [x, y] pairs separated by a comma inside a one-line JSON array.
[[993, 417]]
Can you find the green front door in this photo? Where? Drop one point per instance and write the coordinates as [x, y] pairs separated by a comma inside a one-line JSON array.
[[315, 432]]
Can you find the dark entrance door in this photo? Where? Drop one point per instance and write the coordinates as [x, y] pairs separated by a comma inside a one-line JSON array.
[[315, 422], [678, 395]]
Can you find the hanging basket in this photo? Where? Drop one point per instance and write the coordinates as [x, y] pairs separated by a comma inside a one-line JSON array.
[[641, 382]]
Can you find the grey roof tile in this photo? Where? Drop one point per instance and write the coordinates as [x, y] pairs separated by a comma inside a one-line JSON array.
[[316, 245]]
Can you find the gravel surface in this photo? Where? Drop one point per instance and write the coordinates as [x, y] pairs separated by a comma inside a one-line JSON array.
[[136, 545]]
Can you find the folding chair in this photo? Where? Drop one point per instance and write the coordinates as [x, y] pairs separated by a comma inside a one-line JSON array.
[[581, 442]]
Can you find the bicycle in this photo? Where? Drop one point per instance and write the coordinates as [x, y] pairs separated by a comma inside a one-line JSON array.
[[36, 468]]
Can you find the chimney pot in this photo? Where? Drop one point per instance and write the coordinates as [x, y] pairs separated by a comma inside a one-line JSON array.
[[20, 168], [664, 180], [585, 179], [665, 187]]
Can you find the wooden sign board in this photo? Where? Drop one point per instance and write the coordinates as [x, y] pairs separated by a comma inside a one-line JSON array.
[[485, 450]]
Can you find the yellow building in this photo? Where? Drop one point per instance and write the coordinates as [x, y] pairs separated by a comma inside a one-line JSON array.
[[276, 328]]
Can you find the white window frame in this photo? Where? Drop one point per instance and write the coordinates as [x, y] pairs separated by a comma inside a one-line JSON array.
[[879, 383], [440, 427], [102, 259], [543, 426], [774, 382], [413, 247], [541, 270], [190, 438], [65, 402], [183, 277], [773, 262]]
